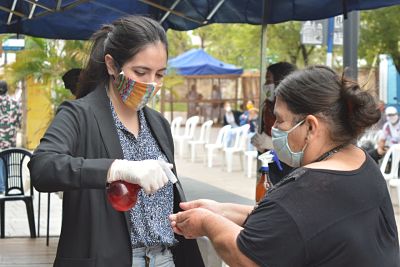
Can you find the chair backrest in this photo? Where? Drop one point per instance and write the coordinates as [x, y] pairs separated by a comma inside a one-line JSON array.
[[14, 161], [394, 154], [205, 131], [190, 126], [176, 125], [241, 136], [369, 138], [222, 135]]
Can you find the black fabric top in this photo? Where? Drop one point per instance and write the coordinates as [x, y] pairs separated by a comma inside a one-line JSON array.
[[324, 218]]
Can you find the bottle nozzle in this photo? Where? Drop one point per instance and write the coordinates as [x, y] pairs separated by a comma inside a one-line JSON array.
[[269, 157], [276, 159], [266, 158]]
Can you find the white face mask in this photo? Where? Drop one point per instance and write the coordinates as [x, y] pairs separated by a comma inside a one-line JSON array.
[[393, 119], [228, 109], [280, 143], [269, 91]]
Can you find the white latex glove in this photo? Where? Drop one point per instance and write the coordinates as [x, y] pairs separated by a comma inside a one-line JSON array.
[[150, 174], [261, 141]]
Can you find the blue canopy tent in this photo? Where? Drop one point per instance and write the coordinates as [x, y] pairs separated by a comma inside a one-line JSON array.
[[198, 62], [78, 19], [197, 65]]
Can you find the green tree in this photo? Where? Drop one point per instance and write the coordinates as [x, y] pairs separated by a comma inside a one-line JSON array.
[[238, 44], [380, 34], [47, 60], [178, 42], [283, 42]]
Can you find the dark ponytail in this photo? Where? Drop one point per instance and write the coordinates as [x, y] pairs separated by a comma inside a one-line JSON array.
[[318, 90], [122, 39], [95, 72]]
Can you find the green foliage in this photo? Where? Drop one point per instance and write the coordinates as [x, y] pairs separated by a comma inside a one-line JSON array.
[[46, 61], [237, 44], [178, 42], [380, 34], [283, 42], [171, 81]]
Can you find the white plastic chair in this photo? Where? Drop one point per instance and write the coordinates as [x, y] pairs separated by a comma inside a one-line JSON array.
[[175, 126], [218, 145], [239, 146], [204, 138], [394, 154], [369, 137], [250, 157], [190, 128], [392, 177]]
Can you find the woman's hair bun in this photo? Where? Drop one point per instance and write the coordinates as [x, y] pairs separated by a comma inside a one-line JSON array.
[[360, 105]]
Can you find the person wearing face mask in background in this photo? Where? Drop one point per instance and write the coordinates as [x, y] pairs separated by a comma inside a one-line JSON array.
[[390, 133], [231, 117], [107, 134], [333, 210], [262, 140], [244, 117]]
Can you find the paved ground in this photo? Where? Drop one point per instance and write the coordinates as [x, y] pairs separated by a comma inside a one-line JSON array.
[[198, 180]]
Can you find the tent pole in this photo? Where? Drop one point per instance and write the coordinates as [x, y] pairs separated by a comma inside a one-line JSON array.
[[169, 12], [350, 44], [263, 69]]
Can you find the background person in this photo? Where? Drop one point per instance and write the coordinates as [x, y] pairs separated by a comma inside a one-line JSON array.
[[262, 141], [390, 133], [109, 134], [244, 118], [71, 79], [231, 117], [193, 96], [334, 210], [253, 122], [10, 121], [216, 96]]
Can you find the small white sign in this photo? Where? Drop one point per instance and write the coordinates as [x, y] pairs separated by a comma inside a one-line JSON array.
[[13, 44], [312, 32], [338, 30]]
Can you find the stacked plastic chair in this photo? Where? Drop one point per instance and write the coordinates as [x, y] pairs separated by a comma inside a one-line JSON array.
[[390, 169], [218, 146], [204, 138], [238, 147], [190, 128]]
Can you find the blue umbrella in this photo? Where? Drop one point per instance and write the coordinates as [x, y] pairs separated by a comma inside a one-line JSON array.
[[78, 19]]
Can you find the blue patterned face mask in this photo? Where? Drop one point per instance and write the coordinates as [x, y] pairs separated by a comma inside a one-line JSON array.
[[281, 146], [133, 93]]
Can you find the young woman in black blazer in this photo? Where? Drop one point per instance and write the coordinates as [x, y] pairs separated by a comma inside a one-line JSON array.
[[109, 134]]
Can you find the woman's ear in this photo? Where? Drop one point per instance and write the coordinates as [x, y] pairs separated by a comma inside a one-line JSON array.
[[110, 64], [313, 126]]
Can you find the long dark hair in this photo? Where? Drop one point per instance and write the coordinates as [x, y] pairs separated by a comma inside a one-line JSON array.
[[280, 70], [318, 90], [122, 39]]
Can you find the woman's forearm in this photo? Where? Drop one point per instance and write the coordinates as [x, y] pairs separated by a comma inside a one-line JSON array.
[[236, 213]]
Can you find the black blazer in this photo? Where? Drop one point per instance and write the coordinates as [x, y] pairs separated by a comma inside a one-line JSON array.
[[74, 156]]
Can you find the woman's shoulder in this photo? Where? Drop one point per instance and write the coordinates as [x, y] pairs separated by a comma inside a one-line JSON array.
[[311, 179], [76, 105]]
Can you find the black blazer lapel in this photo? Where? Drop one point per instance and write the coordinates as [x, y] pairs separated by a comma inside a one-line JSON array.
[[102, 112]]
